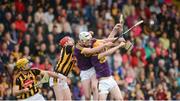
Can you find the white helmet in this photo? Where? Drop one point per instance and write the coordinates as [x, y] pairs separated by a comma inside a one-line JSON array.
[[84, 36]]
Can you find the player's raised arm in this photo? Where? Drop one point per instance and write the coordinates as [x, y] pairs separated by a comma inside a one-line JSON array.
[[96, 49], [116, 29], [86, 38], [111, 50]]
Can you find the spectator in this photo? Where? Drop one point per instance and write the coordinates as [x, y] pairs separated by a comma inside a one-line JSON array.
[[165, 41], [155, 8], [117, 60], [4, 53], [26, 51], [39, 15], [20, 24], [14, 33], [46, 65], [49, 16], [29, 12], [16, 53], [50, 39], [149, 49], [52, 54], [127, 8], [36, 63], [19, 6], [27, 42], [82, 26], [65, 25], [7, 20], [160, 93]]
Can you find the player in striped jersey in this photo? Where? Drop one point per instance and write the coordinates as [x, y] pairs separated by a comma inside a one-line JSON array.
[[25, 81], [64, 66]]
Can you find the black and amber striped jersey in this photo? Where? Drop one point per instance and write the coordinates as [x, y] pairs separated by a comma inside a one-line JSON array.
[[66, 61], [27, 81]]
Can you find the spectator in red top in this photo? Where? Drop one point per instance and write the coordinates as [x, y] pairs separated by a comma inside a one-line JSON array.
[[142, 54], [36, 63], [19, 6], [131, 18], [160, 93], [20, 24], [46, 65]]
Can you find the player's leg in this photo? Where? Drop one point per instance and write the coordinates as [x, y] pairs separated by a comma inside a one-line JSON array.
[[58, 92], [86, 88], [66, 91], [67, 94], [94, 89], [86, 82], [102, 96], [56, 87], [103, 89], [115, 92]]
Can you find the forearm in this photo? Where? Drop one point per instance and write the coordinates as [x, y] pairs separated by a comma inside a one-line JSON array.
[[52, 74], [109, 52], [109, 39], [55, 75], [113, 33], [93, 50], [18, 92]]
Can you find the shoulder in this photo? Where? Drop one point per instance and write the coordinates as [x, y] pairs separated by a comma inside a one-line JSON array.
[[69, 49], [79, 47], [36, 71]]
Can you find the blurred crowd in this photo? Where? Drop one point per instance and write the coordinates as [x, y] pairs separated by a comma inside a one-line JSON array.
[[29, 28]]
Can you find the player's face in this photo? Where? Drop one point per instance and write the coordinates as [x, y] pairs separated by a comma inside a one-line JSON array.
[[27, 67], [87, 42]]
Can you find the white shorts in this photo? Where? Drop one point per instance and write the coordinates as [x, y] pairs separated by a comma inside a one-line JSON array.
[[55, 81], [36, 97], [87, 74], [106, 85]]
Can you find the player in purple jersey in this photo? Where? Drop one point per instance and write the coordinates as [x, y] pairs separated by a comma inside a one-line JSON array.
[[106, 84], [87, 74], [83, 53]]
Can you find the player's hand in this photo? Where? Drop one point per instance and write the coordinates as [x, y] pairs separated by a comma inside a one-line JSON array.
[[118, 27], [128, 45], [108, 44], [25, 90], [122, 44], [121, 40]]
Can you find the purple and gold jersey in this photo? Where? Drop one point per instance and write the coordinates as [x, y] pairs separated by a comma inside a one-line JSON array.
[[101, 66], [83, 61]]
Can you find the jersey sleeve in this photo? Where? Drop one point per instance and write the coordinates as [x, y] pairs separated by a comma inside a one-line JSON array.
[[69, 49], [36, 72]]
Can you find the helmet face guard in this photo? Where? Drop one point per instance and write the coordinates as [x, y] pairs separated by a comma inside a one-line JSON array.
[[85, 38]]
